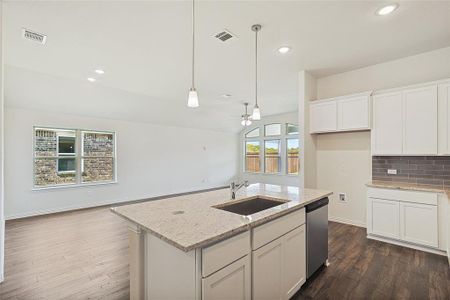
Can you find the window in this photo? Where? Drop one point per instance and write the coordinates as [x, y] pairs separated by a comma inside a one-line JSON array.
[[252, 133], [71, 157], [272, 129], [291, 129], [292, 149], [281, 149], [252, 154], [272, 156]]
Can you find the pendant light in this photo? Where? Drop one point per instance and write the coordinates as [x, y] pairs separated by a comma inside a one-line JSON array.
[[256, 112], [193, 96], [246, 118]]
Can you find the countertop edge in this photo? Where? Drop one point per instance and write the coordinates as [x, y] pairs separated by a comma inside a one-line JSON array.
[[228, 234], [399, 186]]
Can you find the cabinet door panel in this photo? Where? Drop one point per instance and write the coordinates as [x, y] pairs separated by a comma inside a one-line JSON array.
[[387, 124], [323, 116], [353, 113], [232, 282], [419, 223], [385, 218], [444, 118], [420, 121], [267, 271], [294, 261]]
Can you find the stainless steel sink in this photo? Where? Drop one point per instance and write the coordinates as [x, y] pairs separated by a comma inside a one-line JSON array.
[[249, 206]]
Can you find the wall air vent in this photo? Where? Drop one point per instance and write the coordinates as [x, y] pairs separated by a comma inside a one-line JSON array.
[[34, 36], [224, 35]]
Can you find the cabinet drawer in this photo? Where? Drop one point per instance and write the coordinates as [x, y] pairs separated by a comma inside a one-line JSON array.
[[268, 232], [219, 255], [404, 196]]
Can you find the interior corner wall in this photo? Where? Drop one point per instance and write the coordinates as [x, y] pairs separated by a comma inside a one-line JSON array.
[[308, 157], [152, 160], [344, 161], [2, 213]]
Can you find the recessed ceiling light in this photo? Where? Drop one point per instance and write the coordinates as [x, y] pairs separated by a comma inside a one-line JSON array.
[[387, 9], [226, 96], [284, 49], [91, 79], [99, 71]]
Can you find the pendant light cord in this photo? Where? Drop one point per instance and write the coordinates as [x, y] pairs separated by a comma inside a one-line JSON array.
[[193, 41], [256, 68]]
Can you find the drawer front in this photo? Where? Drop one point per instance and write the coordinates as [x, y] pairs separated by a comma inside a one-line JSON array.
[[272, 230], [404, 196], [219, 255]]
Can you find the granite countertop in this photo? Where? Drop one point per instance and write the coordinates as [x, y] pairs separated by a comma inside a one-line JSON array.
[[408, 186], [189, 222]]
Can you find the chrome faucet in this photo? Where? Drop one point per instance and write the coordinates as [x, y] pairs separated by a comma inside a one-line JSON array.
[[234, 187]]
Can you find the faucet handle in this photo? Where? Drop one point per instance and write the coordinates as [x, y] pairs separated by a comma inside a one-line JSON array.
[[246, 183]]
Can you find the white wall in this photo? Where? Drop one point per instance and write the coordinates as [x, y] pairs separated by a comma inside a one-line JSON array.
[[2, 214], [344, 159], [308, 157], [283, 179], [152, 160]]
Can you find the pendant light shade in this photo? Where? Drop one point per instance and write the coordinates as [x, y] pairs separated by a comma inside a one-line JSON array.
[[193, 96], [256, 112]]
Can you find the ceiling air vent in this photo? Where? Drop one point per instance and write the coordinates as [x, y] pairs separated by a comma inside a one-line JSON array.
[[34, 36], [224, 35]]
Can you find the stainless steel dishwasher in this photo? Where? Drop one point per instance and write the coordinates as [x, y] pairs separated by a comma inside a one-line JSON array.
[[316, 235]]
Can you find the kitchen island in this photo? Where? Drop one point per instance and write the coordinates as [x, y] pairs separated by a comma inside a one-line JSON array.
[[189, 247]]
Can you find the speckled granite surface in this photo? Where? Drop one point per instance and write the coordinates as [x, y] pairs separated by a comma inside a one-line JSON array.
[[188, 222], [408, 186]]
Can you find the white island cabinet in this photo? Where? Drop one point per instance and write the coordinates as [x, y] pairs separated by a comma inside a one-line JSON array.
[[194, 247], [265, 262]]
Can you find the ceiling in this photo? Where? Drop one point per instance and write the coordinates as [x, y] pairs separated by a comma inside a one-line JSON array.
[[145, 49]]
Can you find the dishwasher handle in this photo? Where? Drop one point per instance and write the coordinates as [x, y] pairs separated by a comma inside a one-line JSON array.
[[316, 205]]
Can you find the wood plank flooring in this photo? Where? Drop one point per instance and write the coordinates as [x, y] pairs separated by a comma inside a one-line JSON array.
[[84, 255], [366, 269]]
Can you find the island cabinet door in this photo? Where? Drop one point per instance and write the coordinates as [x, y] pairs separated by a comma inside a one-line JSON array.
[[231, 282], [268, 271], [294, 261]]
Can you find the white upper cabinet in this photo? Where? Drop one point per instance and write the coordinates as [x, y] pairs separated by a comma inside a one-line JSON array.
[[420, 121], [443, 118], [323, 116], [354, 113], [387, 136], [346, 113], [405, 122]]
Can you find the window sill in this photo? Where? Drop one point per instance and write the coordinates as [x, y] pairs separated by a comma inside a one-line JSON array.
[[71, 186], [270, 174]]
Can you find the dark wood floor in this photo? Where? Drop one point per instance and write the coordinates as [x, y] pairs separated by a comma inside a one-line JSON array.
[[367, 269], [84, 255]]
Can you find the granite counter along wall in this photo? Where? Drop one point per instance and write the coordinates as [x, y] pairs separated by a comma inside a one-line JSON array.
[[427, 170]]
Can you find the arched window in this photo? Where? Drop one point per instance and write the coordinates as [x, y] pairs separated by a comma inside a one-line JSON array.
[[280, 154]]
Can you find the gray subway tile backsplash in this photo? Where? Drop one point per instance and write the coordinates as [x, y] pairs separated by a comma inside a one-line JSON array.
[[429, 170]]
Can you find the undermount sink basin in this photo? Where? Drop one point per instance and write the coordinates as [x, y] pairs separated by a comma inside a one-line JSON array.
[[250, 206]]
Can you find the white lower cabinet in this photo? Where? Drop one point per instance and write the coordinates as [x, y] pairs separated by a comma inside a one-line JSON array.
[[419, 223], [408, 216], [231, 282], [279, 268], [386, 218], [294, 261]]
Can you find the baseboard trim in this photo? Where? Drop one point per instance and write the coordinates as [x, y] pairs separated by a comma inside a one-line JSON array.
[[347, 221], [102, 203], [407, 245]]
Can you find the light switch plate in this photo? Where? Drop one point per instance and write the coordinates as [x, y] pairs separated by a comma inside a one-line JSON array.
[[392, 171]]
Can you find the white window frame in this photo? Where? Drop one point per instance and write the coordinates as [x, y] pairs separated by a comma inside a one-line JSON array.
[[280, 155], [77, 156], [283, 137], [65, 155], [292, 137]]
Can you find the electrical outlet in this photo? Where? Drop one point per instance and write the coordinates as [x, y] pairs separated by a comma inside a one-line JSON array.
[[392, 171], [343, 197]]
